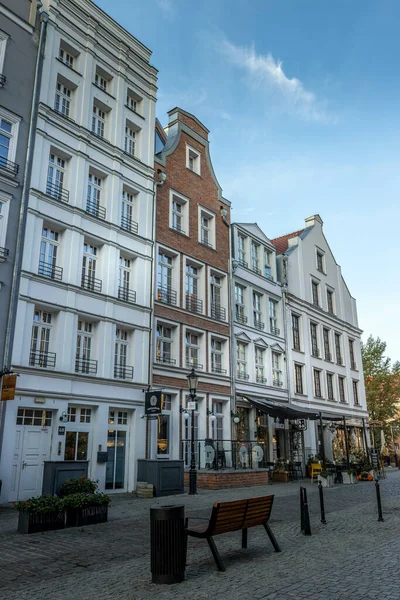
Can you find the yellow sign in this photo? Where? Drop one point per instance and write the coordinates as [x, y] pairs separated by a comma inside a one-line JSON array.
[[8, 385]]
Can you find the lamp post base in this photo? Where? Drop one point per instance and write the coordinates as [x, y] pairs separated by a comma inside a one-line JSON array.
[[192, 482]]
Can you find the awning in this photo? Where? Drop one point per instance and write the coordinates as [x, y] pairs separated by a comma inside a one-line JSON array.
[[290, 411]]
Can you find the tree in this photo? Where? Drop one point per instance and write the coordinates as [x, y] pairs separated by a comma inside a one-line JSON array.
[[382, 386]]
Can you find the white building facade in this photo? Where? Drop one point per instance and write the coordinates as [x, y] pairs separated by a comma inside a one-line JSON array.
[[84, 318]]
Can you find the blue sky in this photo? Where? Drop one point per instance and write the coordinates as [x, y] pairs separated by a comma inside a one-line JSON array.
[[302, 101]]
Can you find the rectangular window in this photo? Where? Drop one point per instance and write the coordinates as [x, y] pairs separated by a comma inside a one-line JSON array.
[[296, 332], [177, 215], [66, 58], [193, 160], [55, 178], [317, 383], [355, 393], [257, 310], [164, 427], [327, 348], [298, 378], [40, 341], [131, 102], [93, 196], [241, 254], [218, 424], [127, 207], [338, 349], [71, 414], [192, 290], [329, 385], [98, 121], [100, 82], [329, 299], [320, 262], [268, 264], [205, 236], [164, 345], [342, 396], [121, 369], [5, 141], [239, 304], [315, 293], [241, 361], [276, 369], [206, 228], [259, 363], [29, 416], [273, 319], [130, 141], [217, 311], [83, 361], [352, 359], [217, 356], [193, 350], [76, 445], [62, 102], [125, 292], [89, 264], [165, 293], [255, 261], [314, 339], [48, 254], [85, 415]]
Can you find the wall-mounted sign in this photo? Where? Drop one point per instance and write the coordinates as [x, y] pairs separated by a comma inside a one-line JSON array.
[[8, 385], [61, 430], [191, 406], [152, 403]]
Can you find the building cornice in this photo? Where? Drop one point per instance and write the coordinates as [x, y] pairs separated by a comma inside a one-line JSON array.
[[333, 320]]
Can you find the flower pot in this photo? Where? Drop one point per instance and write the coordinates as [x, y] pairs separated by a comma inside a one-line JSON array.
[[326, 481], [88, 515], [349, 478], [280, 477], [29, 522]]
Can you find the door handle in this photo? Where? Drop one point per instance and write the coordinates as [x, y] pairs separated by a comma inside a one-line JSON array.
[[23, 464]]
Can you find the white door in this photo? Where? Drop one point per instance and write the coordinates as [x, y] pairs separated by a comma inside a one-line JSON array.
[[31, 449]]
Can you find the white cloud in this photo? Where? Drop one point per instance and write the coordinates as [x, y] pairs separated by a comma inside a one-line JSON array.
[[265, 70]]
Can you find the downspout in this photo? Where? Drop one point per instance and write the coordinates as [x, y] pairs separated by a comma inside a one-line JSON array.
[[285, 325], [12, 313], [231, 325]]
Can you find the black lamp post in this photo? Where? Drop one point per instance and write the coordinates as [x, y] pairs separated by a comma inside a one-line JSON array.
[[192, 384]]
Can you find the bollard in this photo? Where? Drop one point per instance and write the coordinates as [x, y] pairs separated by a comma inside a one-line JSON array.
[[378, 499], [304, 515], [321, 502], [168, 542]]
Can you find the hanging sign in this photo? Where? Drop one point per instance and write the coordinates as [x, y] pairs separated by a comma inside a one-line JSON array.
[[152, 403], [8, 385]]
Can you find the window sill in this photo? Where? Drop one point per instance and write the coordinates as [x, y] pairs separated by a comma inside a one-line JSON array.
[[300, 394], [321, 271], [207, 246], [135, 112], [68, 66], [182, 233], [104, 91], [194, 172], [298, 350]]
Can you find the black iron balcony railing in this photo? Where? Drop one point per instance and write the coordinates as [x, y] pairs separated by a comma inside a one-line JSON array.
[[46, 360], [51, 271], [218, 312], [3, 79], [353, 365], [56, 191], [177, 228], [275, 330], [243, 263], [241, 375], [166, 295], [128, 225], [93, 208], [240, 318], [4, 252], [126, 295], [191, 364], [339, 360], [123, 372], [9, 166], [315, 352], [260, 379], [328, 356], [166, 359], [277, 383], [86, 365], [256, 269], [259, 324], [218, 370], [91, 283], [331, 397], [193, 304]]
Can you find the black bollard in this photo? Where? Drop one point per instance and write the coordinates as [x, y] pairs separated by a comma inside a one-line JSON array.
[[321, 502], [378, 499], [304, 515]]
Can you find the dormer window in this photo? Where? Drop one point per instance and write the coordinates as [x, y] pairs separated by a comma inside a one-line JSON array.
[[193, 160]]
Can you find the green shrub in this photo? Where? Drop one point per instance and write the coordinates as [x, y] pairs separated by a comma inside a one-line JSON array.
[[41, 504], [83, 500], [82, 485]]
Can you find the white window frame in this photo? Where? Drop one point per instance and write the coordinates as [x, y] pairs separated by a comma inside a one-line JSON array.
[[241, 360], [320, 254], [183, 202], [300, 368], [255, 257], [131, 140], [133, 101], [318, 284], [332, 376], [65, 57], [13, 136], [173, 353], [3, 46], [193, 159], [273, 316], [259, 363], [5, 204], [204, 213], [268, 265], [240, 303], [276, 369], [241, 249], [98, 121], [63, 95]]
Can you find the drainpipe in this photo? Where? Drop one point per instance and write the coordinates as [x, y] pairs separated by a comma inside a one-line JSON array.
[[12, 314], [231, 304]]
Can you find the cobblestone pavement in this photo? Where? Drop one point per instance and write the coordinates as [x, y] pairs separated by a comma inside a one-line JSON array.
[[352, 557]]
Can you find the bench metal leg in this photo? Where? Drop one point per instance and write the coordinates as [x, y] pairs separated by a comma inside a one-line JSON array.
[[272, 538], [215, 554], [244, 538]]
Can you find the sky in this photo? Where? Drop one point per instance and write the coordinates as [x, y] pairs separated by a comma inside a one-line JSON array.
[[301, 98]]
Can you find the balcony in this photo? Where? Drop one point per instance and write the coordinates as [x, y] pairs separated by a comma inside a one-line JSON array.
[[218, 370], [256, 269], [259, 324], [192, 364], [93, 208], [193, 304], [275, 331], [278, 383], [240, 319], [3, 79], [260, 379], [86, 365], [243, 376], [353, 365], [45, 360], [50, 271], [218, 312], [128, 225], [91, 283], [166, 295], [166, 359], [123, 372], [242, 263], [11, 167], [126, 295], [4, 252], [315, 352], [56, 191], [328, 356]]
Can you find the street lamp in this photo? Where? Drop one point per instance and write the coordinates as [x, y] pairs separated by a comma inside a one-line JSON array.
[[192, 384]]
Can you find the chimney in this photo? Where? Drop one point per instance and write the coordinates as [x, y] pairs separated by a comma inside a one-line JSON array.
[[310, 221]]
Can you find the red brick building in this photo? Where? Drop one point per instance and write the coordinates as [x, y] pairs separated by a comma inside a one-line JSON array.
[[191, 287]]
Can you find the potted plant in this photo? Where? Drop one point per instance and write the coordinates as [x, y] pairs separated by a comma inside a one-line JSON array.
[[325, 478], [280, 472], [81, 485], [349, 476], [86, 509], [43, 513]]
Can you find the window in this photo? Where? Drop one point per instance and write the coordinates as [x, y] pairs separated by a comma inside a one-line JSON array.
[[164, 292], [29, 416], [355, 393], [192, 290], [352, 359], [241, 254], [315, 293], [83, 361], [131, 102], [217, 356], [164, 345], [4, 203], [317, 383], [239, 304], [178, 213], [93, 196], [327, 349], [255, 261], [127, 206], [218, 424], [259, 362], [257, 310], [3, 43], [101, 82], [296, 332], [62, 102], [217, 311], [71, 414], [276, 369], [177, 216], [85, 415], [40, 341], [241, 351], [298, 379], [48, 254], [164, 427], [124, 283], [89, 264], [192, 343], [268, 264], [273, 320], [119, 417], [98, 121], [329, 384], [206, 228], [320, 262], [329, 300], [314, 339], [193, 160], [121, 369], [130, 141], [339, 359], [66, 57], [76, 445], [342, 396], [55, 178], [5, 141]]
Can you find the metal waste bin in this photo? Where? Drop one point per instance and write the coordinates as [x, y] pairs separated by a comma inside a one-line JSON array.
[[168, 542]]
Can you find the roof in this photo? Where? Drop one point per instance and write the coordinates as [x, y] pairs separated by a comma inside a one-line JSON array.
[[282, 243]]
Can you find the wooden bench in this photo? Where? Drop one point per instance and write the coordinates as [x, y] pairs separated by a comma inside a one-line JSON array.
[[234, 516]]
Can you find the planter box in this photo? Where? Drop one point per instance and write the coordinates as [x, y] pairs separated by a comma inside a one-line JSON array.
[[280, 477], [35, 522], [349, 478], [90, 515], [326, 481]]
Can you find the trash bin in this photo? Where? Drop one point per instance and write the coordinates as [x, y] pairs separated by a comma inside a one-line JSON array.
[[168, 543]]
